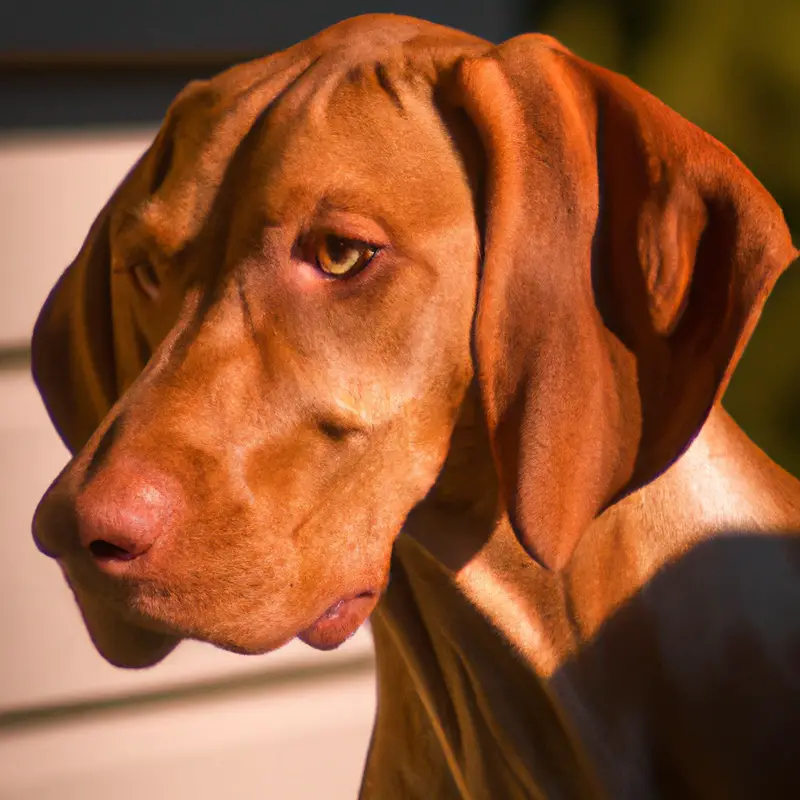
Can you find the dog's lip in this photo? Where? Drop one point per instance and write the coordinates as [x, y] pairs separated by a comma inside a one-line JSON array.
[[110, 578], [340, 621]]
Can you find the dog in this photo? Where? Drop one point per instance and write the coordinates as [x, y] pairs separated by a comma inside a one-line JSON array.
[[401, 324]]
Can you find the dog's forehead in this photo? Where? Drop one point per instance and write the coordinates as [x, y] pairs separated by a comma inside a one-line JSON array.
[[371, 141], [352, 104]]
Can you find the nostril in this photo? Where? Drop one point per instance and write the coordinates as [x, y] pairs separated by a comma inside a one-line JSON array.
[[106, 551]]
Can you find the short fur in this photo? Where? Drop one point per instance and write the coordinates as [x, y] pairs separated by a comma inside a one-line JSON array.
[[513, 411]]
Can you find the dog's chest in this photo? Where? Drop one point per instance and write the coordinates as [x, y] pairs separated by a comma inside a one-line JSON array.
[[461, 706]]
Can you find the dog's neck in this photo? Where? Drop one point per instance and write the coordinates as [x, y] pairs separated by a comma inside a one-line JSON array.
[[723, 482], [474, 639]]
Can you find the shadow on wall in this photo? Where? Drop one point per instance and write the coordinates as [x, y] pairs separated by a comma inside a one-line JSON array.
[[734, 70]]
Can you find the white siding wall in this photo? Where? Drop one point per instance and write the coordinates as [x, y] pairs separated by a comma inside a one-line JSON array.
[[205, 724]]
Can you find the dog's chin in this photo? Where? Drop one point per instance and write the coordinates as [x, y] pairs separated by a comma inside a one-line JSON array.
[[138, 645], [120, 642], [139, 632]]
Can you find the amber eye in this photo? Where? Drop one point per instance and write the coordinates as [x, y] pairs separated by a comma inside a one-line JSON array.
[[146, 278], [339, 257]]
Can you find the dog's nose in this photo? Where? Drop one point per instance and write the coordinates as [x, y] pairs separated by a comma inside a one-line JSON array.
[[124, 510]]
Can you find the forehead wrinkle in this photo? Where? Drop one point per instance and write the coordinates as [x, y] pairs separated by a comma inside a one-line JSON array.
[[388, 69], [392, 77], [309, 98]]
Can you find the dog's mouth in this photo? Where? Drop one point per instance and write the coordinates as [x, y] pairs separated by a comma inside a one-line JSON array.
[[135, 621], [340, 621]]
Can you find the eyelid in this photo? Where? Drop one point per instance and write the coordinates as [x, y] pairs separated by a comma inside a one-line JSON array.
[[347, 225]]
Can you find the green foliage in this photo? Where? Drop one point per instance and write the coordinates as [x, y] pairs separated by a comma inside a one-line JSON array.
[[734, 70]]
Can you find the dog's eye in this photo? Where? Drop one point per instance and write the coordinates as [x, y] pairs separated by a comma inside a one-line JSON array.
[[146, 278], [339, 257]]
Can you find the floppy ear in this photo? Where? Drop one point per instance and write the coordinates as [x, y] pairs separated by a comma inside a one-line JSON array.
[[86, 342], [73, 348], [627, 258]]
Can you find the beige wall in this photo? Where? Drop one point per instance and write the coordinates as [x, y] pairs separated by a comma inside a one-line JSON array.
[[205, 724]]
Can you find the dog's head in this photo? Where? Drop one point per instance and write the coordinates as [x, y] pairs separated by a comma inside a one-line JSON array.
[[261, 352]]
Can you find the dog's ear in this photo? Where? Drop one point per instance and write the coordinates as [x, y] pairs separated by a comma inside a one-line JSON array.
[[72, 349], [87, 346], [627, 258]]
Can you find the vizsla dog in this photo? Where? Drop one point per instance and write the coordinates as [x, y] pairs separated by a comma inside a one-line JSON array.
[[400, 323]]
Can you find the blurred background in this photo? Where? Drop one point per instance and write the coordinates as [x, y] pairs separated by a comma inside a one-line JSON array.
[[83, 86]]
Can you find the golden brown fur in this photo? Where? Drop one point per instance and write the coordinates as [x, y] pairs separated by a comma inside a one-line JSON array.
[[513, 411]]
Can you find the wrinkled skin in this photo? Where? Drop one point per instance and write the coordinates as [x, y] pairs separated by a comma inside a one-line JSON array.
[[513, 409]]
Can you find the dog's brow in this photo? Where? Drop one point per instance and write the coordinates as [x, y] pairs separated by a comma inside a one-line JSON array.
[[149, 224], [133, 224]]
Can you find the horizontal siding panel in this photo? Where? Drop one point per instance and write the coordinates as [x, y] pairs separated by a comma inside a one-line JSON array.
[[46, 655], [303, 744], [52, 186]]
